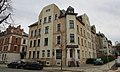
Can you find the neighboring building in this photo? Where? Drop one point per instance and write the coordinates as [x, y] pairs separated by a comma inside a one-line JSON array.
[[116, 49], [105, 45], [61, 34], [12, 42], [93, 36]]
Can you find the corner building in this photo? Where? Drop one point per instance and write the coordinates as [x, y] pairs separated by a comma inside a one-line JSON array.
[[13, 44], [58, 35]]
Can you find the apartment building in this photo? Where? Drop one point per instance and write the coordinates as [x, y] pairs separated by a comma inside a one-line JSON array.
[[105, 45], [13, 44], [60, 35]]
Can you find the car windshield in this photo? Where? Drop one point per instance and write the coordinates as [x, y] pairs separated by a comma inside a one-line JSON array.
[[98, 59]]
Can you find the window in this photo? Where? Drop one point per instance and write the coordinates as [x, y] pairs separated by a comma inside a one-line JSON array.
[[84, 33], [38, 42], [78, 52], [23, 49], [71, 53], [35, 32], [58, 27], [16, 40], [82, 41], [24, 41], [34, 43], [49, 20], [46, 41], [78, 40], [43, 53], [85, 43], [71, 38], [31, 43], [37, 54], [31, 33], [58, 39], [46, 29], [55, 16], [33, 54], [29, 54], [81, 31], [15, 48], [45, 19], [77, 28], [48, 53], [71, 24], [58, 54], [39, 31], [47, 10], [40, 21]]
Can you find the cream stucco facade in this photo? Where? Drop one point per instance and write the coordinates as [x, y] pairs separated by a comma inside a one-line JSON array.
[[60, 34]]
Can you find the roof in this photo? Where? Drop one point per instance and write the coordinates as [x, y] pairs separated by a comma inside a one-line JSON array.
[[34, 24], [25, 34]]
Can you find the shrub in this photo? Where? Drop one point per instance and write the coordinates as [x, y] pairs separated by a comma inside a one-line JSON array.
[[107, 59]]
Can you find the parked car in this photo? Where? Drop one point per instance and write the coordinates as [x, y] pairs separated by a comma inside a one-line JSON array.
[[117, 61], [98, 61], [16, 64], [33, 66]]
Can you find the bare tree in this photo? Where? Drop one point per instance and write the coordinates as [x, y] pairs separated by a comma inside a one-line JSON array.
[[5, 11]]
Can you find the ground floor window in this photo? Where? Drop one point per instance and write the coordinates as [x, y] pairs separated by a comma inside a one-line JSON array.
[[38, 54], [58, 54], [71, 53], [48, 53], [29, 54], [78, 51], [43, 53], [33, 54]]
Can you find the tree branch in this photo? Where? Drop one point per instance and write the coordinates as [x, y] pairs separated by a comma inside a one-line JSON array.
[[2, 4], [3, 10], [1, 1], [5, 18]]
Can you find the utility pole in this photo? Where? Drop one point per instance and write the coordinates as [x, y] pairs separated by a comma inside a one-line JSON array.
[[61, 49]]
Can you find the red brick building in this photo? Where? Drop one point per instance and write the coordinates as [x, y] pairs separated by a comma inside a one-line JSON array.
[[11, 43]]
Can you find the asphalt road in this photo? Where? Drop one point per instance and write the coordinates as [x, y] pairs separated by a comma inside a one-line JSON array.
[[5, 69], [82, 68]]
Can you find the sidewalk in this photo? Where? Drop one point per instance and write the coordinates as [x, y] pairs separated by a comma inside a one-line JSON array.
[[3, 65], [87, 68], [103, 68]]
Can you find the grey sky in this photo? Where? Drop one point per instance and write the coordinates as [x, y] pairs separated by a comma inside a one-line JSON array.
[[104, 14]]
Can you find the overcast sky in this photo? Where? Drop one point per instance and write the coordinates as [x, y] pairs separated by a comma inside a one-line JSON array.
[[104, 14]]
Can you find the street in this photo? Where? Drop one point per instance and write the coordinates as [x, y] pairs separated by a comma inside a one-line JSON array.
[[110, 67]]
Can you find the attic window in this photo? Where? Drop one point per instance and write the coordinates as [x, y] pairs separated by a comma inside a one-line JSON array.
[[47, 10]]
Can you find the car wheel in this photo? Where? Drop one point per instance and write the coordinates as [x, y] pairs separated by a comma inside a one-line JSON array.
[[9, 67], [41, 68]]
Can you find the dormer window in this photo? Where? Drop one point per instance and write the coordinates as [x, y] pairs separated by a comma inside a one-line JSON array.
[[70, 10], [47, 10]]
